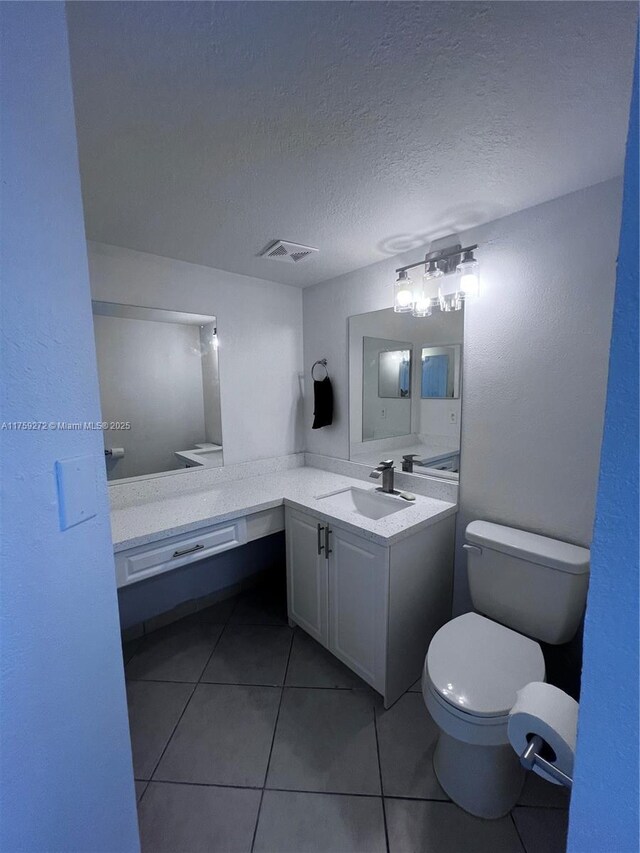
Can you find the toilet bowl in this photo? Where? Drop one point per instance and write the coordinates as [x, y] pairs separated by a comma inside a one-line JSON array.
[[472, 673], [525, 586]]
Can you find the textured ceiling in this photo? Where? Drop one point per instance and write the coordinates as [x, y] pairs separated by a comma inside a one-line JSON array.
[[207, 130]]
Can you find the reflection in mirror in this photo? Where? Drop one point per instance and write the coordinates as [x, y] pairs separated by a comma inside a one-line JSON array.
[[394, 372], [386, 372], [440, 372], [396, 411], [159, 389]]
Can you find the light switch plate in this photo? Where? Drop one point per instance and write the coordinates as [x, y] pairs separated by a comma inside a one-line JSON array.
[[77, 495]]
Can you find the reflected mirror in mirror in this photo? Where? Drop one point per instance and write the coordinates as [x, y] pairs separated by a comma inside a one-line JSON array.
[[396, 411], [440, 373], [394, 373], [159, 382], [385, 387]]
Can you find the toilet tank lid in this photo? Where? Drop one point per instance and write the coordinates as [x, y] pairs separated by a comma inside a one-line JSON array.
[[529, 546]]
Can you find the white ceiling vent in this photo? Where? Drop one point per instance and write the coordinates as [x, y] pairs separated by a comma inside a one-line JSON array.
[[292, 253]]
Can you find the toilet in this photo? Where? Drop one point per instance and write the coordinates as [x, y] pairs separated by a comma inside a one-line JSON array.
[[524, 588]]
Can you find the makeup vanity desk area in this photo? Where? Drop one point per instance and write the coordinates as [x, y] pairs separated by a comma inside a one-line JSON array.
[[372, 591]]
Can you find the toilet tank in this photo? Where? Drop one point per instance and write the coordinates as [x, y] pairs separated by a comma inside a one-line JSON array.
[[535, 585]]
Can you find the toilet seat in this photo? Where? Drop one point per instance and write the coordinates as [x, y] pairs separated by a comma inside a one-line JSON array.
[[472, 673]]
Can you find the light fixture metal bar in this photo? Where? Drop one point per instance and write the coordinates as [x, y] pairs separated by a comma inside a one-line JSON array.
[[438, 256]]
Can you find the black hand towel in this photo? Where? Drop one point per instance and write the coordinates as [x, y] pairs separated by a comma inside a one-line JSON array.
[[322, 403]]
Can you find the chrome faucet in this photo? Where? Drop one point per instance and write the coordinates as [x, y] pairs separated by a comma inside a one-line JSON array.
[[408, 463], [386, 469]]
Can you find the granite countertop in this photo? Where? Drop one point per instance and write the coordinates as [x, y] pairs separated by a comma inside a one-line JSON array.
[[202, 455], [151, 521]]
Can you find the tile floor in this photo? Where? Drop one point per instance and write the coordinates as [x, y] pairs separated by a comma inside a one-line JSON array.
[[248, 736]]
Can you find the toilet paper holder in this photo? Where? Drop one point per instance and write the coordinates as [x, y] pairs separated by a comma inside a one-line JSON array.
[[531, 757]]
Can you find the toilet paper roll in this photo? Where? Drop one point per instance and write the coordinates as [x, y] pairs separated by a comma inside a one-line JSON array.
[[117, 452], [541, 709]]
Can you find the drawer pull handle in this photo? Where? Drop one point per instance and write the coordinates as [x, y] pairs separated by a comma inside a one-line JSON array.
[[187, 551], [327, 547], [320, 545]]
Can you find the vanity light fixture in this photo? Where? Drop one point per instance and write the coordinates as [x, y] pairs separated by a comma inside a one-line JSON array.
[[429, 296], [403, 297], [468, 271], [450, 277]]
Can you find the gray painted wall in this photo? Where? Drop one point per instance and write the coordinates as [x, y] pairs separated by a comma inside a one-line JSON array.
[[150, 375], [534, 363]]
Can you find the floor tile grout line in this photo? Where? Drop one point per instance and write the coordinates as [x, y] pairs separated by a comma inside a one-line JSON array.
[[217, 642], [273, 739], [290, 790], [143, 643], [232, 626], [384, 808], [282, 790], [255, 684], [213, 651], [195, 687], [409, 797], [515, 826], [169, 739]]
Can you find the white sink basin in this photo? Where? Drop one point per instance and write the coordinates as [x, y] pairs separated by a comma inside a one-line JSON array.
[[363, 502]]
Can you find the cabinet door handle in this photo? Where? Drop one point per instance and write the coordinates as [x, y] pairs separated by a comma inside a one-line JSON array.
[[320, 545], [187, 551], [327, 548]]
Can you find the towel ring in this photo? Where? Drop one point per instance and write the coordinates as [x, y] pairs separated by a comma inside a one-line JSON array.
[[323, 362]]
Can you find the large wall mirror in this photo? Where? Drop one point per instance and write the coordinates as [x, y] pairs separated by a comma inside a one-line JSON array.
[[405, 390], [159, 390]]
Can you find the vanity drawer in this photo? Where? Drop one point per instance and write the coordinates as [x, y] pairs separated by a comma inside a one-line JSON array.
[[168, 554]]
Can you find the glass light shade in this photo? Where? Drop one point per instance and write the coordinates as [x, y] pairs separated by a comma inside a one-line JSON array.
[[430, 282], [467, 269], [403, 297], [422, 307], [449, 293]]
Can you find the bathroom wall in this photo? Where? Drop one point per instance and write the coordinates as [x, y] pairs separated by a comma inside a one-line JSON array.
[[260, 340], [66, 779], [150, 374], [534, 363], [604, 802], [435, 419], [211, 384]]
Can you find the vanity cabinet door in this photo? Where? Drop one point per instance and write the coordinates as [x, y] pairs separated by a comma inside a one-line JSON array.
[[307, 574], [358, 596]]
